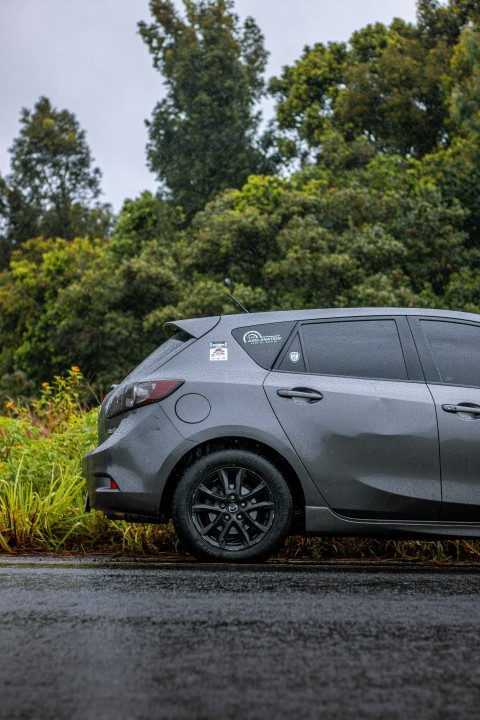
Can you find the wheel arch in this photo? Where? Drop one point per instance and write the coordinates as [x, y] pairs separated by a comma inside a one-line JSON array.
[[239, 443]]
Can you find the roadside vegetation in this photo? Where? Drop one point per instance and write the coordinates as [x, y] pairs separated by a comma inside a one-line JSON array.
[[42, 493]]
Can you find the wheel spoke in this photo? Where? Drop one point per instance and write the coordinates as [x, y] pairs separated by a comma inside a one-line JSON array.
[[264, 505], [209, 493], [259, 526], [222, 474], [240, 474], [200, 507], [246, 537], [261, 486], [212, 526], [222, 539]]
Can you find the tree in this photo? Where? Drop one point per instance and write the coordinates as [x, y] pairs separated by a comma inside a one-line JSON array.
[[88, 302], [202, 135], [385, 86], [391, 85], [465, 101], [306, 95], [394, 96], [438, 20], [52, 189]]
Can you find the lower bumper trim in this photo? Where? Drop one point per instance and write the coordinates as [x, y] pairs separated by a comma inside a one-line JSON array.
[[116, 503]]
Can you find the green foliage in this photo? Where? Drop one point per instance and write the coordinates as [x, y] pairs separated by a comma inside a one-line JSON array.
[[389, 232], [30, 292], [394, 94], [52, 188], [380, 235], [465, 99], [306, 93], [392, 86], [89, 302], [42, 491], [40, 475], [384, 86], [202, 134]]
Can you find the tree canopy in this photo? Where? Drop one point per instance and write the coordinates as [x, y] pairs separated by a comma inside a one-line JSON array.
[[52, 189], [202, 134], [391, 85]]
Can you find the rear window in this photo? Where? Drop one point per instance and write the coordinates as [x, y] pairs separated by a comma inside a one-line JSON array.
[[456, 351], [362, 349], [263, 342], [159, 356]]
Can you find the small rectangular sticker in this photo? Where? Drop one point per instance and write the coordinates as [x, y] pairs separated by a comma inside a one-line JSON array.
[[218, 351]]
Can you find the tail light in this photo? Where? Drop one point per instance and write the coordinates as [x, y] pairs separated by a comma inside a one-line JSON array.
[[143, 393]]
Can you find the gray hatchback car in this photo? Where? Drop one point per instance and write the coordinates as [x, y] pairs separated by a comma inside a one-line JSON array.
[[245, 428]]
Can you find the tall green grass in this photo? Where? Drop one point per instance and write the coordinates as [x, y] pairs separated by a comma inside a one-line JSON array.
[[42, 493]]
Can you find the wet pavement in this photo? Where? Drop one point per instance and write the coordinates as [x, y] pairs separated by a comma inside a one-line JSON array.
[[104, 638]]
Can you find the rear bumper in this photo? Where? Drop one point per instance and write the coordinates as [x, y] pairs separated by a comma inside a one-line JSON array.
[[135, 507], [139, 456]]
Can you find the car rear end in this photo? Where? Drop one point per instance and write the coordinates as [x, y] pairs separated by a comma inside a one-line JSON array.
[[201, 390], [136, 439]]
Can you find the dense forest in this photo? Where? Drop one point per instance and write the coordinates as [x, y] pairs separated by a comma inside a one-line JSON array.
[[363, 190]]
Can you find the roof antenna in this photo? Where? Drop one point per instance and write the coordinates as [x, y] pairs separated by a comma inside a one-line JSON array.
[[230, 285]]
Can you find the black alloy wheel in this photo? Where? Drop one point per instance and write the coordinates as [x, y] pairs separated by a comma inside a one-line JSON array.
[[232, 505]]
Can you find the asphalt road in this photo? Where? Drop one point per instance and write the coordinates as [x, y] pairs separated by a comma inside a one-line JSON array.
[[177, 641]]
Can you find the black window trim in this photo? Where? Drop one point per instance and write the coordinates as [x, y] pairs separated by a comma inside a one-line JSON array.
[[285, 348], [432, 375], [410, 355]]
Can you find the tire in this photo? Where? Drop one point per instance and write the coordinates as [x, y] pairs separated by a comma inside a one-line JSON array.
[[215, 513]]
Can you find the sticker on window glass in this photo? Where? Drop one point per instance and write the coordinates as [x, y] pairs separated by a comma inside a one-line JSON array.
[[218, 351], [253, 337], [294, 357]]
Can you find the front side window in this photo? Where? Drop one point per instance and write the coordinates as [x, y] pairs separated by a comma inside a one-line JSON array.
[[455, 348], [355, 348]]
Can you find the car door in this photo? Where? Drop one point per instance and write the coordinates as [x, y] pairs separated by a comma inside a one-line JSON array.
[[351, 397], [450, 355]]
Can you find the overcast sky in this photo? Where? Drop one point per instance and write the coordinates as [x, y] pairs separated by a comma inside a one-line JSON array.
[[86, 57]]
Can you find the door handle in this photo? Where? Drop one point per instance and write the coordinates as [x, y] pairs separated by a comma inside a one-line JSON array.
[[473, 410], [312, 395]]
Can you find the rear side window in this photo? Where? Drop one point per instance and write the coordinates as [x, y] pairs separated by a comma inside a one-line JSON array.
[[362, 349], [263, 342], [455, 348]]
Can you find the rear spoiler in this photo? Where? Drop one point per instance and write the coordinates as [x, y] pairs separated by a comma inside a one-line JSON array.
[[195, 327]]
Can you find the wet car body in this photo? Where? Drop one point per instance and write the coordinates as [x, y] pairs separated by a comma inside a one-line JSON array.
[[371, 418]]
